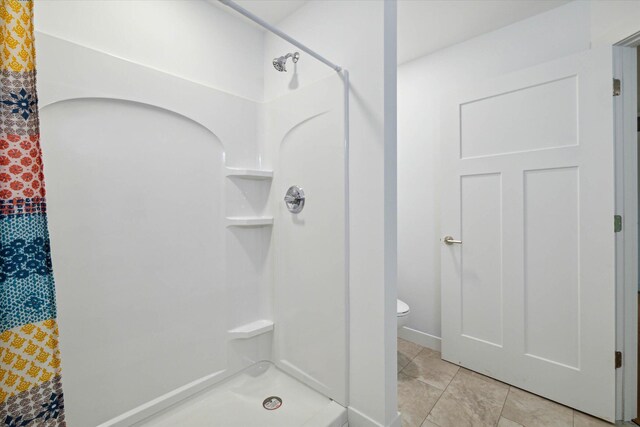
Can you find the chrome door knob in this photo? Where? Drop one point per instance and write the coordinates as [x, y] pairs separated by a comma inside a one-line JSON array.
[[448, 240]]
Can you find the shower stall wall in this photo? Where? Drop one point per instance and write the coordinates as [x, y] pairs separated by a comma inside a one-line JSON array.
[[179, 267], [306, 139]]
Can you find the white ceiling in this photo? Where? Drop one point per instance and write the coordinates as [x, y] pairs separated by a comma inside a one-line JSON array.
[[272, 11], [425, 26]]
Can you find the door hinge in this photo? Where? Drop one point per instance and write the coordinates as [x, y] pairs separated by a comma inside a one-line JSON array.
[[617, 223], [617, 87], [618, 359]]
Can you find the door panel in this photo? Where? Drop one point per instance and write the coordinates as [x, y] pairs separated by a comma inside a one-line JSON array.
[[510, 122], [528, 186], [481, 271], [551, 265]]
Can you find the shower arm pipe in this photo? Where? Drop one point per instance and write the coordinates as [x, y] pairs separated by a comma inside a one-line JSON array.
[[279, 33]]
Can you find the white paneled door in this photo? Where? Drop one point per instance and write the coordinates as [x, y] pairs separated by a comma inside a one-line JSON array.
[[528, 296]]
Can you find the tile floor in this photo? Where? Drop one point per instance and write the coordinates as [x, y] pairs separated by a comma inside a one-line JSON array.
[[435, 393]]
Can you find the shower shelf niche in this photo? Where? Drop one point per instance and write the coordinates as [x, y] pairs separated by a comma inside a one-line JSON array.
[[251, 330], [249, 173], [249, 221]]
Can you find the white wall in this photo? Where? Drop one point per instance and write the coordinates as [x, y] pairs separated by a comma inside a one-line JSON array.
[[137, 196], [131, 299], [190, 39], [305, 130], [351, 34], [200, 62], [423, 83]]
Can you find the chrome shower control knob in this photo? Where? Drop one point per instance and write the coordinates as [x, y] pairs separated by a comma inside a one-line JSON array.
[[294, 199]]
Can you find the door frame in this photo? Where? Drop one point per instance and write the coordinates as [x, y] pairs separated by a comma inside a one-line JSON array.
[[626, 202]]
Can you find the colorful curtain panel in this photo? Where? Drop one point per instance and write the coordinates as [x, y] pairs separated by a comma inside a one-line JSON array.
[[30, 388]]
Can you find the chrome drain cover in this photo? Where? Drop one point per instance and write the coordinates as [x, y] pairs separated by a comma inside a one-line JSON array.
[[271, 403]]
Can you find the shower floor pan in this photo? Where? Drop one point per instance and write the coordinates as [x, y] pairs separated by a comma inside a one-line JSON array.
[[240, 402]]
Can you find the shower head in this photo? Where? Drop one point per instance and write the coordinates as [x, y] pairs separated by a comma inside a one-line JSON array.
[[280, 63]]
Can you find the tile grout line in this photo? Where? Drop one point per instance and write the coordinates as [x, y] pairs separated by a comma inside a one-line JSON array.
[[503, 405], [425, 417], [437, 425], [410, 360], [401, 372], [440, 397], [417, 379], [434, 405]]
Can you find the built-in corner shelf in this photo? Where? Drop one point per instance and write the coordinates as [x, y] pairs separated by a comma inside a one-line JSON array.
[[249, 173], [249, 221], [251, 329]]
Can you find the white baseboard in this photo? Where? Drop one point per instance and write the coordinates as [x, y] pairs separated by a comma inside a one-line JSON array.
[[397, 421], [163, 402], [358, 419], [421, 338]]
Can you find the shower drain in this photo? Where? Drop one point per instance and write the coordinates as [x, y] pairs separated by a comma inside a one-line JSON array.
[[271, 403]]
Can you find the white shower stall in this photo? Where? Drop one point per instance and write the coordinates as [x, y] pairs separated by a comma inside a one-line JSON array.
[[187, 293], [182, 277]]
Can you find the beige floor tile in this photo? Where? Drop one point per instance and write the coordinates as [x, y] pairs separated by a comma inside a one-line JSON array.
[[534, 411], [507, 423], [406, 351], [428, 423], [584, 420], [415, 400], [427, 366], [469, 401], [485, 378]]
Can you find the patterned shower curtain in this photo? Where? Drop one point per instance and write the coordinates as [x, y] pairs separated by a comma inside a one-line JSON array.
[[30, 388]]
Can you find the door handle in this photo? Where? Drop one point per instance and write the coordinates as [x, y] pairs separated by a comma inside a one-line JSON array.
[[448, 240]]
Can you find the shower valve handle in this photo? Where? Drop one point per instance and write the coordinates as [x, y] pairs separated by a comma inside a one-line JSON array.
[[292, 199]]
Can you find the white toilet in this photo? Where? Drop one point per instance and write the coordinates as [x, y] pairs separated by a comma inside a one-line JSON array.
[[403, 313]]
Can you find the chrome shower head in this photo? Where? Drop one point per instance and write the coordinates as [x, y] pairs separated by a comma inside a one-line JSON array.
[[280, 63]]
